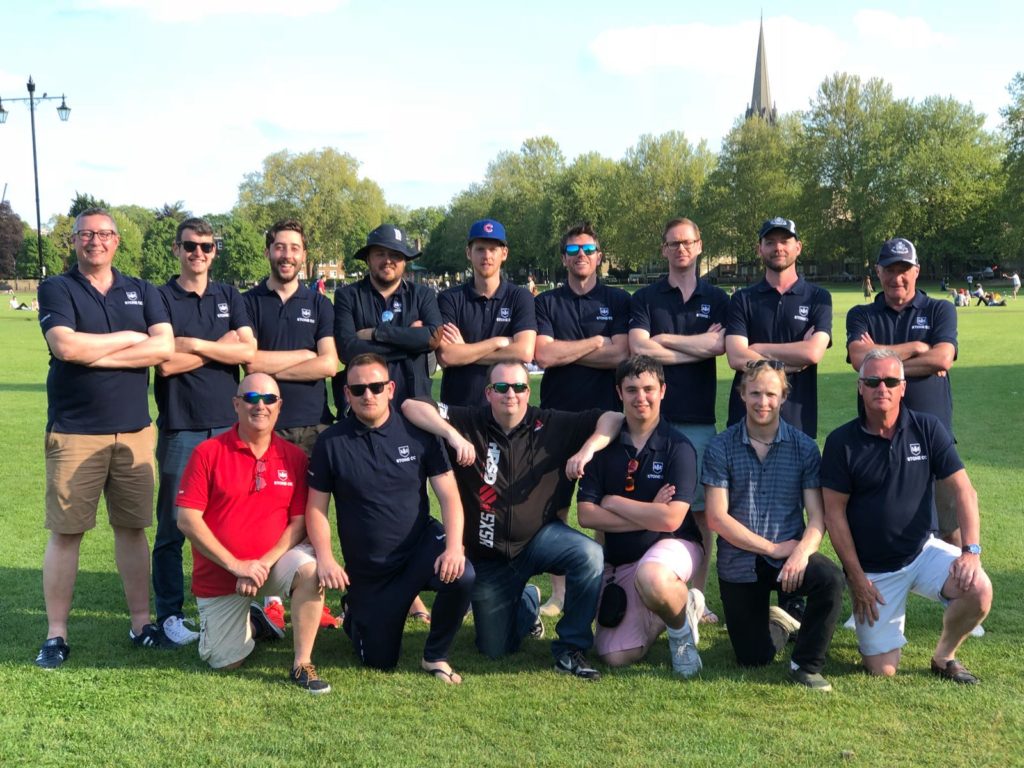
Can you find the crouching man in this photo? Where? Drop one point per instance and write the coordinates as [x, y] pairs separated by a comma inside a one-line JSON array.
[[242, 502]]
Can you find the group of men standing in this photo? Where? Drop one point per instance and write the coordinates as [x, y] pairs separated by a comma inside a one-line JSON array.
[[247, 469]]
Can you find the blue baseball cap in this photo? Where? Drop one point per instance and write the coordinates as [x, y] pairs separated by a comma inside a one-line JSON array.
[[897, 249], [778, 222], [388, 236], [487, 229]]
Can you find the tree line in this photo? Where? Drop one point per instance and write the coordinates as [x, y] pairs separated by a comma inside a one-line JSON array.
[[855, 168]]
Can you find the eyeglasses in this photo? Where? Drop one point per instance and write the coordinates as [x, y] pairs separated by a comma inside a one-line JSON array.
[[360, 389], [501, 387], [775, 365], [103, 235], [891, 382], [673, 245], [251, 398], [259, 481], [191, 245], [589, 249], [631, 469]]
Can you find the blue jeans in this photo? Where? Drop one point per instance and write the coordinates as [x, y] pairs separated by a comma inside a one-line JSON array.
[[173, 450], [504, 612]]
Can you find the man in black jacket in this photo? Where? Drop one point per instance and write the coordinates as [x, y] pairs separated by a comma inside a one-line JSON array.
[[513, 460]]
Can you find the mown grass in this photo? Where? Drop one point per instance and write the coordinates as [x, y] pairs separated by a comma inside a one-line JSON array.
[[114, 705]]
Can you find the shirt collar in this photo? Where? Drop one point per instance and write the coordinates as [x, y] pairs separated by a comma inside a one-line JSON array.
[[503, 289], [361, 429]]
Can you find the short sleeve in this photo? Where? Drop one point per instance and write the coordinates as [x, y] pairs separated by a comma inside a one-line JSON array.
[[714, 465]]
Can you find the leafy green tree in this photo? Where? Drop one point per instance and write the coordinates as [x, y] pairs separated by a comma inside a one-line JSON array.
[[62, 244], [446, 246], [1011, 243], [158, 261], [323, 190], [12, 235], [241, 259], [585, 191], [28, 257], [129, 252], [143, 217], [82, 202], [175, 211]]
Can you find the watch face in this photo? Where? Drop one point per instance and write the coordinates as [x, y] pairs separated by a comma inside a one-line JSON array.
[[973, 549]]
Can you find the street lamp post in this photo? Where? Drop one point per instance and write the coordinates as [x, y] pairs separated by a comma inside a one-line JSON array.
[[64, 112]]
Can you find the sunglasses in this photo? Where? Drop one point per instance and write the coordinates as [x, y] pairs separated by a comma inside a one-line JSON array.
[[501, 387], [260, 482], [891, 382], [191, 245], [360, 389], [775, 365], [631, 469], [251, 398], [588, 250]]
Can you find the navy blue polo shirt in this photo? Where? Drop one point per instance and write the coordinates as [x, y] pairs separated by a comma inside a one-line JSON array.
[[97, 401], [300, 323], [659, 308], [360, 305], [378, 480], [765, 316], [766, 497], [923, 319], [565, 315], [889, 483], [200, 399], [507, 313], [667, 457]]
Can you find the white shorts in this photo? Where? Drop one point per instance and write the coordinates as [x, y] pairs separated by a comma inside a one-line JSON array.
[[924, 576], [640, 626], [225, 633]]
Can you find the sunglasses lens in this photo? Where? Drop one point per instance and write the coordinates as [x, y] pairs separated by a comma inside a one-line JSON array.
[[254, 397], [572, 250], [360, 389]]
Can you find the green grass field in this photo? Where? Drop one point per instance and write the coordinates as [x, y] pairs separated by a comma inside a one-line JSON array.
[[114, 705]]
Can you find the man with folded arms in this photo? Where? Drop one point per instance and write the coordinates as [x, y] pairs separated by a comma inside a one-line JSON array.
[[759, 476], [242, 504], [878, 473], [638, 492]]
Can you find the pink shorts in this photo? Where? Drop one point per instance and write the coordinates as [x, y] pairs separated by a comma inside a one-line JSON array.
[[640, 626]]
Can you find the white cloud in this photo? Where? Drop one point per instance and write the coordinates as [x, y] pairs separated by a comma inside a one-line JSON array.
[[196, 10], [889, 30]]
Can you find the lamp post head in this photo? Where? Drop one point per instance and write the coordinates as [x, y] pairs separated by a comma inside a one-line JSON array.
[[64, 111], [31, 85]]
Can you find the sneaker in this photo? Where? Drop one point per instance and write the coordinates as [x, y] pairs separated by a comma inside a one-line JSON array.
[[305, 677], [978, 631], [685, 659], [53, 653], [782, 627], [575, 663], [262, 627], [537, 630], [274, 611], [694, 610], [179, 631], [150, 637], [812, 680], [327, 620]]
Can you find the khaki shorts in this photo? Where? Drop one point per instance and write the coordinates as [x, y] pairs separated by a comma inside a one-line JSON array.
[[81, 467], [304, 437], [225, 634]]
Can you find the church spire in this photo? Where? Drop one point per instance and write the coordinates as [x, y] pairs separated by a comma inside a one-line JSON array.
[[761, 100]]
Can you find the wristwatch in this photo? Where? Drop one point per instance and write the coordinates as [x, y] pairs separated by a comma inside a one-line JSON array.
[[971, 549]]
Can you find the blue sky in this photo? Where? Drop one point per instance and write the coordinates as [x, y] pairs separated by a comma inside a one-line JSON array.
[[178, 99]]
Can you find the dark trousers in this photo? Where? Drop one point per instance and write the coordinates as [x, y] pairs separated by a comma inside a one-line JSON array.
[[377, 607], [746, 613]]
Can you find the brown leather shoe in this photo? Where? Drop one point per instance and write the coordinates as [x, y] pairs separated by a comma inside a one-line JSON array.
[[955, 671]]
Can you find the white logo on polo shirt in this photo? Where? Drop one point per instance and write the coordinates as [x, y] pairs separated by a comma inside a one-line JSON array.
[[132, 298], [604, 314], [222, 309], [306, 316], [404, 455], [396, 307], [803, 313], [921, 323], [657, 471], [705, 311], [282, 479], [915, 453], [657, 466], [491, 464], [504, 315]]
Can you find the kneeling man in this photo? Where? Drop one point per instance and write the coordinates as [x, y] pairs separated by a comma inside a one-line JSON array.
[[241, 502], [877, 473], [376, 464], [638, 492], [759, 475]]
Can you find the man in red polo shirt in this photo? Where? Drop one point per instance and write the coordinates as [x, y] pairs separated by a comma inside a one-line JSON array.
[[241, 502]]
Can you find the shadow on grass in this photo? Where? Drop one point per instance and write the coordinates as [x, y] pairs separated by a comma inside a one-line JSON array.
[[9, 387]]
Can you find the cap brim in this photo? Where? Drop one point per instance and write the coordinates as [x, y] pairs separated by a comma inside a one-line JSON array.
[[361, 253]]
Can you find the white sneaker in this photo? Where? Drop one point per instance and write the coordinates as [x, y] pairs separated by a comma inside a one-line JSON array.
[[694, 610], [179, 631], [685, 659], [978, 631]]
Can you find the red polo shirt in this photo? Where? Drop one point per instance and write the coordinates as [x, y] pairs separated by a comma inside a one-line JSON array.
[[220, 481]]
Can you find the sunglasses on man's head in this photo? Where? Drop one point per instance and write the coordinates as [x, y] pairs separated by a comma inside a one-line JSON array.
[[775, 365], [360, 389], [891, 382], [589, 249], [501, 387], [191, 245], [251, 398]]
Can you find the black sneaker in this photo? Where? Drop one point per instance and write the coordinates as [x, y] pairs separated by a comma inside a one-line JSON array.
[[151, 636], [305, 677], [53, 653], [262, 627], [575, 663]]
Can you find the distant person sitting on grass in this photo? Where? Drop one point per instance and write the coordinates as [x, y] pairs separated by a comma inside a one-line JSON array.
[[242, 504]]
